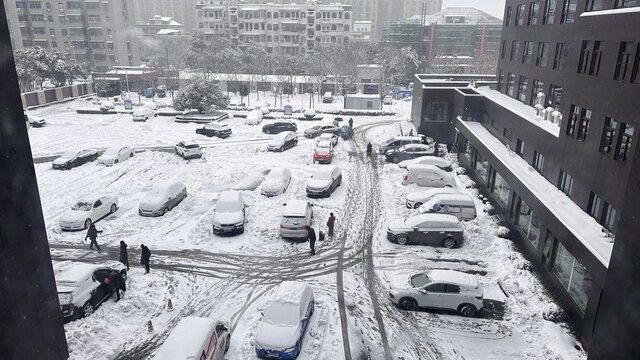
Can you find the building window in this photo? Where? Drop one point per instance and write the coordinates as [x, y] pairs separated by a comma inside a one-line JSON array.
[[548, 249], [593, 5], [507, 18], [635, 73], [515, 49], [543, 51], [565, 183], [608, 135], [527, 53], [574, 115], [538, 161], [500, 189], [549, 12], [468, 150], [608, 216], [624, 55], [533, 13], [503, 50], [481, 166], [437, 111], [555, 96], [572, 275], [594, 205], [520, 147], [536, 88], [35, 5], [583, 124], [560, 59], [626, 3], [500, 80], [522, 88], [529, 223], [568, 11], [510, 83], [507, 134], [585, 53], [624, 143], [594, 67], [520, 15]]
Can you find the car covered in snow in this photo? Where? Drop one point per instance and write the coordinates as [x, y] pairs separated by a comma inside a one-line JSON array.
[[162, 198], [332, 138], [387, 100], [409, 151], [427, 229], [438, 289], [428, 176], [254, 117], [317, 130], [142, 113], [282, 326], [188, 149], [73, 158], [229, 213], [35, 121], [323, 153], [81, 286], [215, 129], [88, 211], [107, 105], [196, 338], [458, 205], [276, 182], [417, 198], [279, 126], [427, 160], [297, 215], [283, 141], [115, 155], [250, 181], [324, 181], [399, 141]]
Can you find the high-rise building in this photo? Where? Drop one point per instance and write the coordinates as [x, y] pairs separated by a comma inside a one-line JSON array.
[[182, 11], [98, 33], [552, 144]]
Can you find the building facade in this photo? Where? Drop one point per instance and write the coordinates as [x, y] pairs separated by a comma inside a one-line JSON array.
[[361, 31], [551, 144], [100, 34], [182, 11]]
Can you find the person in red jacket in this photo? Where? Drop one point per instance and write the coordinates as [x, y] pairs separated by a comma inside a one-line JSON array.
[[330, 223]]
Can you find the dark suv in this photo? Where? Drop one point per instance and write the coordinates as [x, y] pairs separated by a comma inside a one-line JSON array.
[[279, 126], [427, 229]]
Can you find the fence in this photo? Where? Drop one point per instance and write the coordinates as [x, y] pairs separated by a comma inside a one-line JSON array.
[[48, 96]]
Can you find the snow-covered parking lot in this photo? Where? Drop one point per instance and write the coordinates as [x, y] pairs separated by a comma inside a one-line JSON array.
[[234, 278]]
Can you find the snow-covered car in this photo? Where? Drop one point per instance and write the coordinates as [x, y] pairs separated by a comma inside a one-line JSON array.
[[188, 149], [215, 129], [427, 229], [228, 215], [297, 215], [115, 155], [73, 158], [283, 141], [81, 287], [315, 131], [324, 181], [333, 138], [35, 121], [196, 338], [458, 205], [438, 289], [250, 182], [254, 117], [428, 176], [417, 198], [88, 211], [265, 110], [106, 105], [323, 153], [142, 113], [276, 182], [399, 141], [162, 198], [387, 100], [428, 160], [409, 151], [309, 113], [279, 126], [282, 327]]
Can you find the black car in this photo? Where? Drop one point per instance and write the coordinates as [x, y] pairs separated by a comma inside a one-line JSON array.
[[409, 151], [74, 158], [215, 129], [283, 141], [279, 126], [427, 229]]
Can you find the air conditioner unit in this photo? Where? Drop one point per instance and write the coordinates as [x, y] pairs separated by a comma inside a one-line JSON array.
[[540, 98], [539, 110], [557, 117], [547, 113]]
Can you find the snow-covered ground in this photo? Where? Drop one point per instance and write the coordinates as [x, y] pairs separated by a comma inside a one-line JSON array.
[[234, 278]]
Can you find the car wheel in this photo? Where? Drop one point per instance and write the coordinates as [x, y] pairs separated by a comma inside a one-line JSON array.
[[402, 239], [267, 131], [87, 223], [226, 347], [282, 148], [417, 205], [467, 310], [68, 166], [115, 161], [131, 155], [164, 211], [449, 243], [408, 304], [114, 207], [123, 273], [87, 309]]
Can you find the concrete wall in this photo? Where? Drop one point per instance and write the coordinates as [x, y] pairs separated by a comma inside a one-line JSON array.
[[48, 96]]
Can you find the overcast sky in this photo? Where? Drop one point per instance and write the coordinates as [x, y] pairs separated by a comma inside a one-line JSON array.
[[493, 7]]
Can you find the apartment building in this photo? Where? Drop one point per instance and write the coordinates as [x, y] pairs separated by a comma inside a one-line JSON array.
[[551, 144], [361, 31], [182, 11], [100, 34]]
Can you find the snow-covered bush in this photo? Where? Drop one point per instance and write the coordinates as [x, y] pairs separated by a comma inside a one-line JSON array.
[[554, 313], [202, 95], [310, 113], [106, 106], [265, 110]]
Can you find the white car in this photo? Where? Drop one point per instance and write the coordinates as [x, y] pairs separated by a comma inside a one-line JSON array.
[[254, 117], [417, 198], [387, 100], [35, 121], [332, 138], [142, 113], [276, 182], [115, 155], [438, 289], [196, 338], [162, 198], [106, 105], [282, 327], [283, 141], [188, 149], [88, 211], [228, 215], [251, 181], [427, 160], [324, 181]]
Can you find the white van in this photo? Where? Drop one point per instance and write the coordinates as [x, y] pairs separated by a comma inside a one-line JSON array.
[[458, 205], [296, 216], [254, 117], [196, 338], [327, 97], [428, 176], [417, 198]]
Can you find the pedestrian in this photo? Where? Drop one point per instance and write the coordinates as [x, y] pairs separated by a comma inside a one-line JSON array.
[[144, 259], [115, 282], [311, 236], [92, 234], [351, 123], [124, 255], [330, 223]]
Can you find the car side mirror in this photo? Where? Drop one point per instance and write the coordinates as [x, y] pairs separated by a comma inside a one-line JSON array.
[[415, 229], [423, 291]]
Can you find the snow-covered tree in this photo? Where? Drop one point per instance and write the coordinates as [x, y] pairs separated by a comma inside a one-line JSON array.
[[202, 95], [35, 65]]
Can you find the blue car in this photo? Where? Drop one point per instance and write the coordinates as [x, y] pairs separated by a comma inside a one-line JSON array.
[[282, 326]]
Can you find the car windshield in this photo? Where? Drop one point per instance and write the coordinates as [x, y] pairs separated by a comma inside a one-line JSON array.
[[293, 220], [69, 154], [228, 206], [420, 280], [112, 151], [413, 221], [192, 146], [324, 145], [322, 175], [282, 314], [82, 206], [390, 141]]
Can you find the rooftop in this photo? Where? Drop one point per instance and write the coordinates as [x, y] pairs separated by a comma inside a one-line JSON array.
[[461, 15]]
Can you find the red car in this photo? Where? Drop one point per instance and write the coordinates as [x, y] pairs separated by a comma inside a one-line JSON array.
[[323, 153]]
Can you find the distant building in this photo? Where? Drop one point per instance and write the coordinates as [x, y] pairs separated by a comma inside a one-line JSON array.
[[160, 36], [362, 102], [160, 24], [361, 31], [181, 11]]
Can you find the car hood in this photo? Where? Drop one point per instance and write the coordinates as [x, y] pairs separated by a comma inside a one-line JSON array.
[[153, 201], [107, 157], [276, 337], [276, 143], [227, 217], [248, 183], [323, 152], [318, 184], [61, 160], [74, 216], [400, 282], [273, 185], [397, 225]]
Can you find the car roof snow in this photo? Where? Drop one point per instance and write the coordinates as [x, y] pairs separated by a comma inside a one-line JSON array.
[[452, 276]]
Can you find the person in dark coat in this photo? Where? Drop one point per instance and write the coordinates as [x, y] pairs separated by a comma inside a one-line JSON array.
[[330, 223], [351, 123], [311, 236], [115, 282], [92, 234], [144, 259], [124, 255]]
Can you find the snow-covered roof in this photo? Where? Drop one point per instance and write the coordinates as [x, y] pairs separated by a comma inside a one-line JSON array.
[[295, 208], [585, 228], [451, 276], [73, 272], [445, 218], [467, 15], [168, 31], [230, 196], [187, 339], [252, 77], [462, 198], [290, 292], [362, 96]]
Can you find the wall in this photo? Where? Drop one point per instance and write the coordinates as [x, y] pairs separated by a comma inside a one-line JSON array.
[[48, 96]]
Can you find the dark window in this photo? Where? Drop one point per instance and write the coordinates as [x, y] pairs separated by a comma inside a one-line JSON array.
[[519, 147], [503, 50], [555, 96], [574, 115], [565, 183], [538, 161], [583, 124], [568, 11], [549, 12], [626, 3], [543, 51], [608, 135], [536, 87], [635, 73], [510, 83], [515, 49], [520, 15], [522, 88], [594, 67], [585, 54], [593, 5], [624, 57], [507, 18], [507, 134], [35, 5], [594, 205], [453, 289], [608, 216], [436, 288], [533, 13], [21, 5], [548, 249], [527, 53], [500, 80], [560, 59], [624, 144]]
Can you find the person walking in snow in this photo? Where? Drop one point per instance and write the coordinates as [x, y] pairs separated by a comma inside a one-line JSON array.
[[351, 123], [311, 236], [115, 282], [144, 258], [92, 234], [124, 255], [330, 223]]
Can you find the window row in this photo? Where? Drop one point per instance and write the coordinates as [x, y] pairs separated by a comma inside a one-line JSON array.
[[525, 55], [594, 5], [528, 13], [529, 90]]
